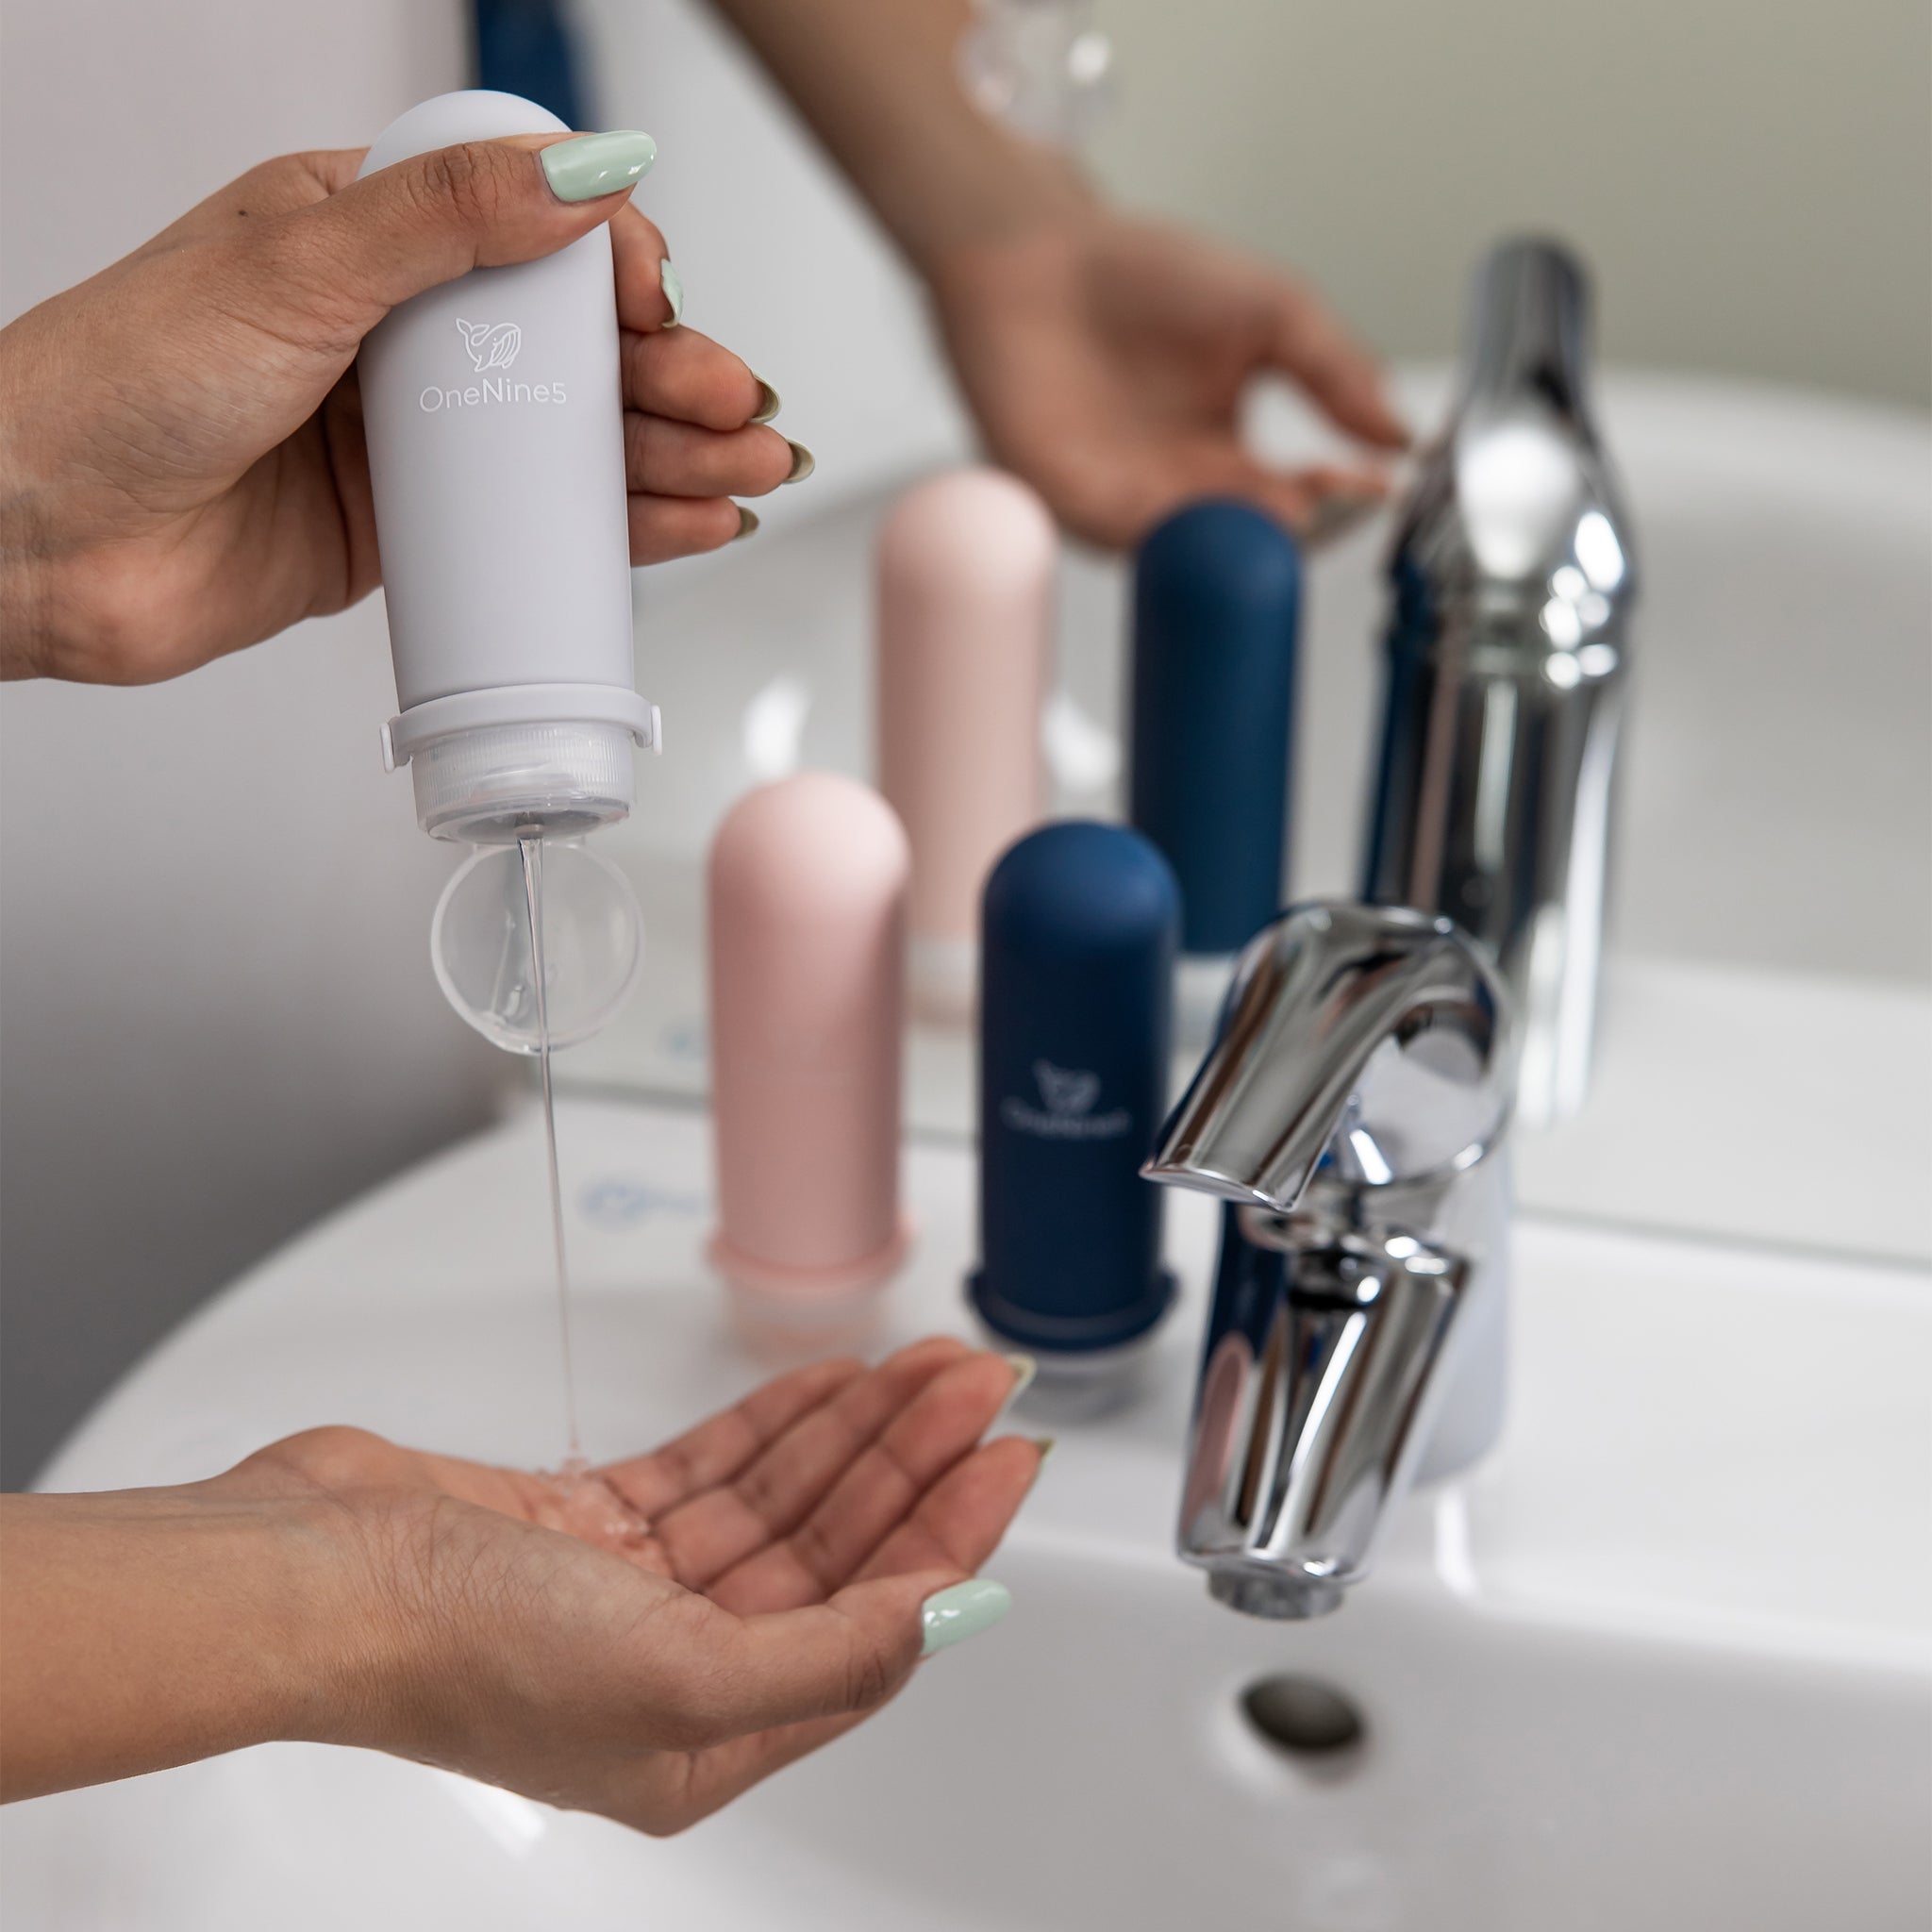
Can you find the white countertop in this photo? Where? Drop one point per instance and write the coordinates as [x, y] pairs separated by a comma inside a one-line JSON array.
[[1703, 1444]]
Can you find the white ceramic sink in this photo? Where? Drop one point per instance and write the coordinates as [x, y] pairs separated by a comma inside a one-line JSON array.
[[1666, 1661]]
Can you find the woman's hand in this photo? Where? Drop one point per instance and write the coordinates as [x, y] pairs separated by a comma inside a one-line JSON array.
[[182, 468], [644, 1640], [1106, 359]]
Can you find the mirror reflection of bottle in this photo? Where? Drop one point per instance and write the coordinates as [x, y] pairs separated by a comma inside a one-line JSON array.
[[966, 589], [1217, 606]]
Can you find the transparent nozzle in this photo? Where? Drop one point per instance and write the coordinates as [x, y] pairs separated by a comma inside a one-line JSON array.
[[594, 944]]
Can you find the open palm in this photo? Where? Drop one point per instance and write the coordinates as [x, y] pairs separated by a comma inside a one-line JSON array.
[[649, 1639]]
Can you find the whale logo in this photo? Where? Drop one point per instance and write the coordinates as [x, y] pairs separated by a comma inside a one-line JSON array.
[[1070, 1096], [1066, 1093], [491, 344]]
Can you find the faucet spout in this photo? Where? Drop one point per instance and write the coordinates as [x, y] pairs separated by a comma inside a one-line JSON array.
[[1368, 1036], [1351, 1113]]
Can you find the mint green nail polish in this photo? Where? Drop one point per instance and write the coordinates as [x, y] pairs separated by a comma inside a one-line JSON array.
[[673, 284], [769, 404], [1025, 1367], [595, 164], [951, 1616]]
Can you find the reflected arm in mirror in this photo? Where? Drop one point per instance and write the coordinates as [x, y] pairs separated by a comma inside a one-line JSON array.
[[1105, 358]]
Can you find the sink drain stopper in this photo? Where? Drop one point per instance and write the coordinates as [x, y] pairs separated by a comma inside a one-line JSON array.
[[1303, 1715]]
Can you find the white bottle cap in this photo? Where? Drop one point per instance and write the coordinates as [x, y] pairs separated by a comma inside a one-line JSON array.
[[481, 785], [488, 764]]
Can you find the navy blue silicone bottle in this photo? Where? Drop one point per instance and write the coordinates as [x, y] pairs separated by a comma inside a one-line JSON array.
[[1079, 932], [1217, 604]]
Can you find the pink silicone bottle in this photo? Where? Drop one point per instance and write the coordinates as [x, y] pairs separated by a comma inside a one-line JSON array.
[[807, 942], [966, 586]]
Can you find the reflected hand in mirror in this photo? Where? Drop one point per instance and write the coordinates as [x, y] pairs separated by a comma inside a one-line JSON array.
[[646, 1640], [1107, 360]]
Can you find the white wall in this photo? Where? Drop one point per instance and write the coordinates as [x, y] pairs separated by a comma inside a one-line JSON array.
[[216, 1014], [1751, 178]]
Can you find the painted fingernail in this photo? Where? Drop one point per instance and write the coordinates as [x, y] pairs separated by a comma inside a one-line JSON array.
[[1335, 516], [673, 285], [747, 523], [595, 164], [951, 1616], [769, 404], [1025, 1367], [803, 462], [1045, 1445]]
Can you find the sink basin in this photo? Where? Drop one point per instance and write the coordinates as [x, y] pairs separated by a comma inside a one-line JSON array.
[[1664, 1661]]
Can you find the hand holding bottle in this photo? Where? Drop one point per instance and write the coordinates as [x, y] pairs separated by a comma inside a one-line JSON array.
[[182, 469]]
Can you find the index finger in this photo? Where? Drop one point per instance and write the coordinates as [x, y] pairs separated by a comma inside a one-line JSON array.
[[958, 1522], [1309, 342], [638, 254], [279, 187]]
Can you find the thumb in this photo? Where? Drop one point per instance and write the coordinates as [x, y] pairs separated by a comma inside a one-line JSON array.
[[848, 1654], [483, 204]]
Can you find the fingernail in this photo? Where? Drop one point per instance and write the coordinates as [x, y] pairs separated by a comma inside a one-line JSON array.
[[1045, 1445], [595, 164], [769, 404], [673, 285], [1025, 1367], [803, 462], [951, 1616], [1335, 516], [747, 523]]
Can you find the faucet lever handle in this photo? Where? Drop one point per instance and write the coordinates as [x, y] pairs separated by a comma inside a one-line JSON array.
[[1313, 1411]]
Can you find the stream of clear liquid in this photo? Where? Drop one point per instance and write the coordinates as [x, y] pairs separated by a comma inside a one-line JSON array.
[[530, 845]]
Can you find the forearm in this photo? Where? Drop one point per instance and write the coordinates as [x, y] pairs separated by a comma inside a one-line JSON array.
[[877, 80], [143, 1628]]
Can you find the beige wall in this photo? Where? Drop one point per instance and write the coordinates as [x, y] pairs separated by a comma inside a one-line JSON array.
[[1751, 178]]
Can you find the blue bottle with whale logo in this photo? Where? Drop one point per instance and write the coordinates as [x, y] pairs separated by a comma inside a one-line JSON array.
[[1079, 926]]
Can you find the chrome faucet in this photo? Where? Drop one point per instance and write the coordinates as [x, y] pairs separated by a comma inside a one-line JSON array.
[[1352, 1112], [1512, 581]]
